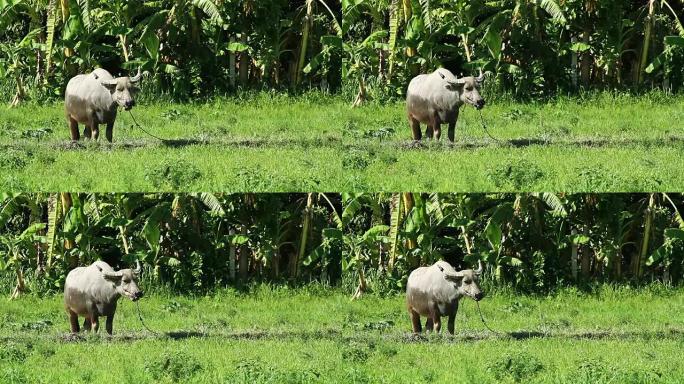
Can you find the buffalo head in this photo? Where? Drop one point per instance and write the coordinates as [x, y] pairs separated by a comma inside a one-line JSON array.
[[123, 89], [467, 87], [467, 281], [126, 281]]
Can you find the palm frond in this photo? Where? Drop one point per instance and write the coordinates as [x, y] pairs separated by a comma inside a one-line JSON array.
[[210, 201], [210, 8], [553, 9]]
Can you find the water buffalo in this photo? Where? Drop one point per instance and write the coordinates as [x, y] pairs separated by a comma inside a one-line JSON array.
[[434, 292], [92, 100], [435, 99], [93, 291]]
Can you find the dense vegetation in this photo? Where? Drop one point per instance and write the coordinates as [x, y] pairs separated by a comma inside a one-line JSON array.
[[188, 242], [202, 47], [313, 335], [191, 48], [533, 241], [531, 48]]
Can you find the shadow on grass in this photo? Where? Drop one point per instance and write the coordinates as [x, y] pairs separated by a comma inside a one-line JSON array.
[[335, 142], [522, 142], [132, 144], [361, 336]]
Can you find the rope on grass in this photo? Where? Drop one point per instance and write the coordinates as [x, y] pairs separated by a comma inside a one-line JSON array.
[[137, 305], [483, 320], [143, 129], [484, 126]]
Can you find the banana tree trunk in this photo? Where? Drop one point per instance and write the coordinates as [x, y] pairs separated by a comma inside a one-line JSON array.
[[124, 48], [231, 65], [648, 221], [306, 223], [362, 95], [231, 256], [21, 93], [408, 206], [362, 287], [20, 288], [244, 258], [244, 62], [585, 70], [306, 27], [573, 257], [395, 221], [68, 243], [573, 63], [648, 28]]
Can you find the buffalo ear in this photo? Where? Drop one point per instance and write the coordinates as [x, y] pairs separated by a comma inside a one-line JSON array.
[[112, 276], [109, 84], [451, 276]]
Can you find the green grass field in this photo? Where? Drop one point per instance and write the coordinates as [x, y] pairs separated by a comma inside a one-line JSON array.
[[318, 335], [318, 143]]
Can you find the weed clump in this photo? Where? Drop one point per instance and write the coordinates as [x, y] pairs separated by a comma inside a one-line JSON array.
[[597, 371], [517, 173], [14, 353], [254, 371], [13, 159], [356, 160], [172, 173], [174, 365], [357, 352], [519, 366]]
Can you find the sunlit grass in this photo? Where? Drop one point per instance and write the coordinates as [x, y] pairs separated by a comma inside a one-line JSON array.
[[280, 143], [319, 335]]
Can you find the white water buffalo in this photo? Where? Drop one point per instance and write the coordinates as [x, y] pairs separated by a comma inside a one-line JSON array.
[[92, 100], [434, 292], [93, 291], [435, 99]]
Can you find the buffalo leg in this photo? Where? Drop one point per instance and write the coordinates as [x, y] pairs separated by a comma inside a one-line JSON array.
[[438, 323], [96, 323], [452, 131], [86, 131], [73, 320], [429, 131], [415, 321], [73, 127], [415, 128], [451, 324], [109, 132], [109, 324], [96, 131], [87, 325], [429, 326], [438, 131]]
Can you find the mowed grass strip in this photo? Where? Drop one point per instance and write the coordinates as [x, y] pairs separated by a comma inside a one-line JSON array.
[[606, 143], [319, 335]]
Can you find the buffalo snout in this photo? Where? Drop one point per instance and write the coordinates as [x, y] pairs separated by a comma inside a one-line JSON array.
[[138, 295], [480, 104], [129, 104], [479, 296]]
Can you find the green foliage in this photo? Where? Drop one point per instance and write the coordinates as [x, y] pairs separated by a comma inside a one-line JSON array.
[[187, 46], [189, 242], [526, 240], [530, 49]]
